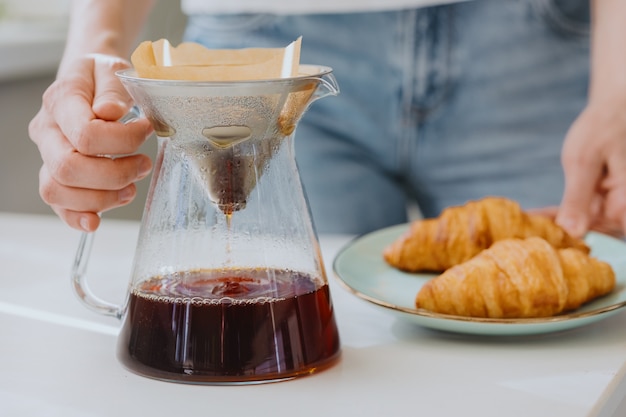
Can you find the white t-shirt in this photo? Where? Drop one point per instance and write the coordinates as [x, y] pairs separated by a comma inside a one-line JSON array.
[[301, 6]]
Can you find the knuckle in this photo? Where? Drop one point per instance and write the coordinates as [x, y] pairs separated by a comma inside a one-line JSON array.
[[82, 140], [48, 97], [62, 170], [119, 64], [577, 158], [55, 90], [34, 126], [47, 192]]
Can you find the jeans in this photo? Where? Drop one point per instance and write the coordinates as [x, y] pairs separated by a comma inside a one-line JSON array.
[[438, 105]]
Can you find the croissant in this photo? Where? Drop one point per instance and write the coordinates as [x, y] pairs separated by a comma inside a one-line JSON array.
[[518, 278], [462, 232]]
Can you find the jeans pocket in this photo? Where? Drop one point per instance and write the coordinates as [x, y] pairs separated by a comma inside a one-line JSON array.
[[565, 17], [230, 30]]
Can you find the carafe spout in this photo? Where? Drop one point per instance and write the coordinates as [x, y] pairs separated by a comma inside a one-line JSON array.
[[327, 87]]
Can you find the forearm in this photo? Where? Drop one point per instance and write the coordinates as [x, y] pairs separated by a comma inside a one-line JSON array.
[[104, 26], [608, 60]]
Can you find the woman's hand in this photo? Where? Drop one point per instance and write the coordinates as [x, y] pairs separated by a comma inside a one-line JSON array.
[[75, 128], [594, 161]]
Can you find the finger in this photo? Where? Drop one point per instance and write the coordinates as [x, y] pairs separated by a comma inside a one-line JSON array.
[[615, 208], [82, 199], [111, 101], [583, 171], [86, 222], [100, 137], [599, 222], [608, 228], [574, 213], [615, 186], [73, 169]]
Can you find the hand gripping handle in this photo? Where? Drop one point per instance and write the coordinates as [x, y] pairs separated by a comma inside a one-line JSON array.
[[83, 252]]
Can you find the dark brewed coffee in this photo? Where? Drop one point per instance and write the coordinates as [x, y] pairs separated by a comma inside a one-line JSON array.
[[229, 326]]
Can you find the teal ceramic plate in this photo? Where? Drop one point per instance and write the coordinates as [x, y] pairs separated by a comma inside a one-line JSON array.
[[360, 268]]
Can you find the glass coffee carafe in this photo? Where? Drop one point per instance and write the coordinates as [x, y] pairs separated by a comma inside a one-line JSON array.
[[228, 284]]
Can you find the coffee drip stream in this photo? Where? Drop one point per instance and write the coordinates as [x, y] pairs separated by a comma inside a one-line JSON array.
[[227, 277]]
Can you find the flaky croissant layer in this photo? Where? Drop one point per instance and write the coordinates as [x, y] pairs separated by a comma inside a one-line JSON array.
[[518, 278], [462, 232]]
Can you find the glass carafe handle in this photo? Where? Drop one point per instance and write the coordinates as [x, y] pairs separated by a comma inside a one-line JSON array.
[[85, 244], [80, 285]]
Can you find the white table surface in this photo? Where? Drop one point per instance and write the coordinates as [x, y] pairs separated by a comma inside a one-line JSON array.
[[58, 359]]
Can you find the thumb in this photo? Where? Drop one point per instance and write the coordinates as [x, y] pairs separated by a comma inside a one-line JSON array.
[[583, 168], [111, 101], [575, 212]]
